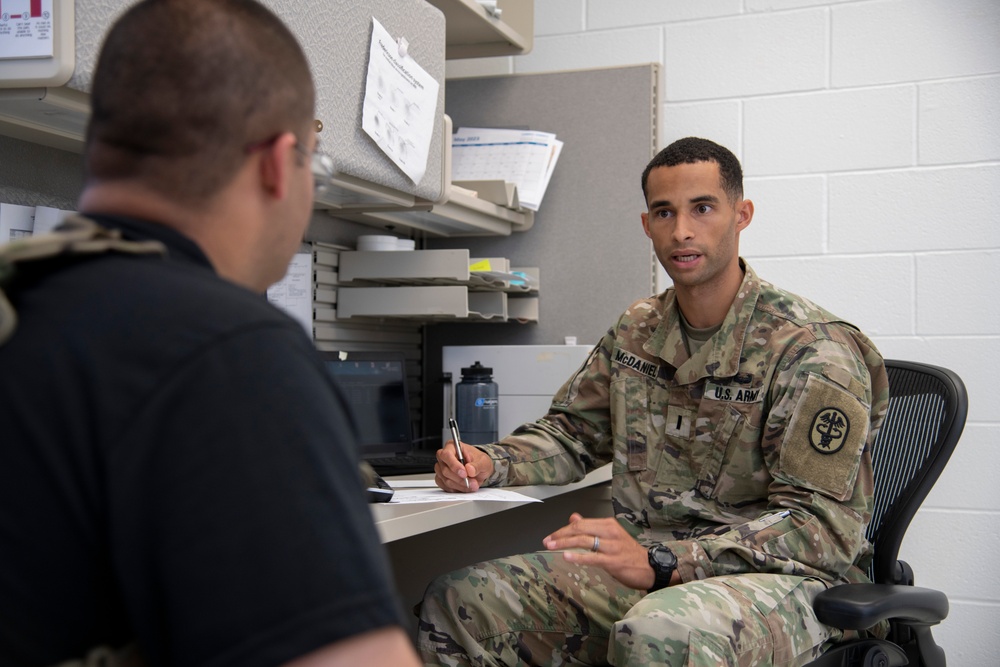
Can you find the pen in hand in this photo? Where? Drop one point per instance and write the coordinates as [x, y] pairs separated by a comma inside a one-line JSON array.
[[458, 445]]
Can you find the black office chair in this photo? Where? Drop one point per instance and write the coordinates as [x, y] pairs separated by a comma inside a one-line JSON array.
[[926, 415]]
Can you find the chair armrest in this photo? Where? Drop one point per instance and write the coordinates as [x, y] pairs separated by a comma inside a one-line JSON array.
[[860, 606]]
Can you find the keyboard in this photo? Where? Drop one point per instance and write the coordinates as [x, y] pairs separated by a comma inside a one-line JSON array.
[[411, 463]]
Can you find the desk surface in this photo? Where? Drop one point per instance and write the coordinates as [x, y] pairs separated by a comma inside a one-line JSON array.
[[395, 522]]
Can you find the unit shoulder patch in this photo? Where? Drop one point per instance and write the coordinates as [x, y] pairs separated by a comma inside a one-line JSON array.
[[826, 433], [830, 428]]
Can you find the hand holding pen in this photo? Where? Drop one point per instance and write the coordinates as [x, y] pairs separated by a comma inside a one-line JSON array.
[[457, 439], [446, 473]]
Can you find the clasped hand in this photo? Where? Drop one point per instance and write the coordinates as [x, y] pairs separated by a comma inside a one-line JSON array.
[[618, 553]]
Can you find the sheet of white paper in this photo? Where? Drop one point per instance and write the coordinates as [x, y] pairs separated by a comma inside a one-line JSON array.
[[411, 496], [412, 483], [553, 158], [16, 221], [48, 218], [399, 105], [523, 157], [293, 293], [26, 29]]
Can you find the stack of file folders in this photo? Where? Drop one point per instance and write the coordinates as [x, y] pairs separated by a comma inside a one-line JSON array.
[[325, 261]]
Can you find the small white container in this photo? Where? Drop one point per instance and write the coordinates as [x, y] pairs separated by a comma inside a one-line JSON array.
[[377, 242]]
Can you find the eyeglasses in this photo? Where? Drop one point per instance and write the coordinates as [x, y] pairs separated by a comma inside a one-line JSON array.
[[322, 171], [321, 165]]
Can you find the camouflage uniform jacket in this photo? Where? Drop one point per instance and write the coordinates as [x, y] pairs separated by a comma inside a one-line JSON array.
[[754, 455]]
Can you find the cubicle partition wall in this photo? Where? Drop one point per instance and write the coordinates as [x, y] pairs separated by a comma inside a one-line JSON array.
[[587, 239], [336, 36]]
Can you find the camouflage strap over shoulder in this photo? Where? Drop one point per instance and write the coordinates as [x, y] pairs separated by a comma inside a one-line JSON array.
[[76, 236]]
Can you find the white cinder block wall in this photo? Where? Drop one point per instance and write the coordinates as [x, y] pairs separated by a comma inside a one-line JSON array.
[[870, 135]]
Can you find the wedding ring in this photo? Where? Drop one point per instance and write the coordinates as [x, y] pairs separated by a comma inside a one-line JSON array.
[[597, 544]]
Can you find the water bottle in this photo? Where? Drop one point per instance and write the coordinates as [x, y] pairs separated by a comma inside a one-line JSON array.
[[476, 405]]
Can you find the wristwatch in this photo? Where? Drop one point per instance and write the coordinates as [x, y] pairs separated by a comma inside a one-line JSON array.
[[664, 562]]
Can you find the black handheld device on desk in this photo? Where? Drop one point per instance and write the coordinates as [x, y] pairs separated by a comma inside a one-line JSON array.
[[379, 490]]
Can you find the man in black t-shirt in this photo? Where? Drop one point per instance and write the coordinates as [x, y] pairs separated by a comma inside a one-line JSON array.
[[177, 470]]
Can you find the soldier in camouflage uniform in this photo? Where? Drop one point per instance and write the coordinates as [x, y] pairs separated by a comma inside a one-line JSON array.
[[738, 419]]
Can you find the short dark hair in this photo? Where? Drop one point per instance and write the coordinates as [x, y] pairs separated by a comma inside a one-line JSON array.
[[695, 149], [182, 87]]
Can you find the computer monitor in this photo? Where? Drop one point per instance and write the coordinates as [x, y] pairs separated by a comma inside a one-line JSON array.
[[374, 384]]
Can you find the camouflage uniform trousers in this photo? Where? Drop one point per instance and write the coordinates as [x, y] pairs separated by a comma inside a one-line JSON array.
[[539, 609]]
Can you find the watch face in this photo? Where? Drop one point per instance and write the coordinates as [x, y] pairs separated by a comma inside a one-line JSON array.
[[664, 564], [664, 558]]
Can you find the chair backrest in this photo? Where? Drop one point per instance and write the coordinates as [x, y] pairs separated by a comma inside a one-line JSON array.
[[926, 415]]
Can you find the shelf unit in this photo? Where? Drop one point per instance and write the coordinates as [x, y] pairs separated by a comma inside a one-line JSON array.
[[473, 32], [460, 213], [435, 285]]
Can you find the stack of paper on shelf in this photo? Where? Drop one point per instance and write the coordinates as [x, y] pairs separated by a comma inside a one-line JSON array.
[[19, 221], [308, 292], [48, 218], [295, 292], [525, 158], [16, 221]]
